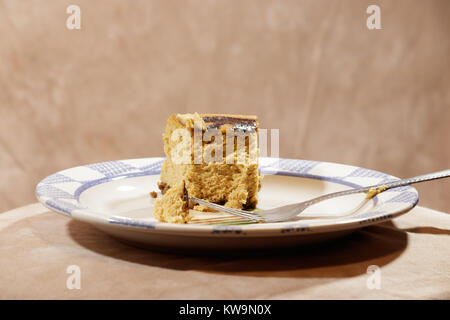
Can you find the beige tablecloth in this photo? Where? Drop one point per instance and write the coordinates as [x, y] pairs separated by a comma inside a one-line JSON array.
[[37, 246]]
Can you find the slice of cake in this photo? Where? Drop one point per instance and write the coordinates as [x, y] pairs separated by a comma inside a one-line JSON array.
[[215, 156]]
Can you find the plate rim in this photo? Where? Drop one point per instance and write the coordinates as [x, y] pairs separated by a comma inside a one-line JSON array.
[[267, 166]]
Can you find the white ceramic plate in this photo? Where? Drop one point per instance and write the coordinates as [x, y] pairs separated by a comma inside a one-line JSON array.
[[114, 197]]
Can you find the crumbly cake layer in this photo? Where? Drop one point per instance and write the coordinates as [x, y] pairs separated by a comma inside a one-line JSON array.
[[234, 186]]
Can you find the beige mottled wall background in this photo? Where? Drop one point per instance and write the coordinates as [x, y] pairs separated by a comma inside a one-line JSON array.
[[338, 91]]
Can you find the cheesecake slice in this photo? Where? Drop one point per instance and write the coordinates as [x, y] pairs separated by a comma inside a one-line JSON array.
[[214, 157]]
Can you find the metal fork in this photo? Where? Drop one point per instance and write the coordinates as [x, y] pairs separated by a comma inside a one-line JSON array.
[[288, 212]]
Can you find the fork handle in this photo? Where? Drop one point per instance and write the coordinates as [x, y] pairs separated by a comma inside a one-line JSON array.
[[424, 177], [385, 186]]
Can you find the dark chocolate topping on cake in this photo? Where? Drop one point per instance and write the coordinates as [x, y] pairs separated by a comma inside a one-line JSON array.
[[239, 124]]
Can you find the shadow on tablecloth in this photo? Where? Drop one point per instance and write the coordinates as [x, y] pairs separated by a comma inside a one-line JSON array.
[[345, 257]]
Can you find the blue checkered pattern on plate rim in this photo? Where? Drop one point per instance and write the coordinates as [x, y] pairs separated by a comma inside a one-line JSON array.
[[50, 190]]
